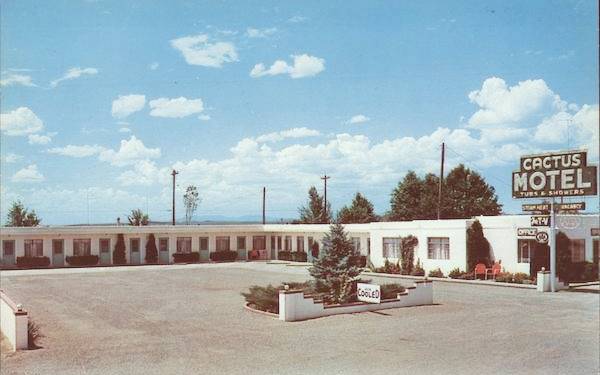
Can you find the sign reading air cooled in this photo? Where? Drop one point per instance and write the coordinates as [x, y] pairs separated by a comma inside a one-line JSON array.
[[555, 175]]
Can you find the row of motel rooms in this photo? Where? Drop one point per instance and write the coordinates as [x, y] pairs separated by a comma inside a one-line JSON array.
[[442, 243]]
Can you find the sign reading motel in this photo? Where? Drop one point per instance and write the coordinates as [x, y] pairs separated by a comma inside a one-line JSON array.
[[555, 175]]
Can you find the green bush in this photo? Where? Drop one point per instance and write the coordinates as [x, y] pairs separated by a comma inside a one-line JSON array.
[[418, 270], [151, 250], [223, 256], [33, 334], [284, 255], [299, 256], [82, 260], [263, 298], [388, 267], [360, 260], [456, 273], [193, 257], [390, 291], [119, 252], [520, 277], [505, 277], [28, 262], [590, 272], [436, 273]]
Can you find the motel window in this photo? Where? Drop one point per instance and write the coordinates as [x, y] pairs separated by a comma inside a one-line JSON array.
[[356, 243], [105, 245], [57, 246], [525, 251], [184, 244], [391, 247], [82, 246], [163, 244], [300, 243], [577, 247], [8, 247], [438, 248], [134, 244], [259, 243], [223, 243], [34, 248], [203, 243], [241, 243], [288, 243]]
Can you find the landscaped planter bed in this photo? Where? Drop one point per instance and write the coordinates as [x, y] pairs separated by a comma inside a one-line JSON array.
[[193, 257], [82, 260]]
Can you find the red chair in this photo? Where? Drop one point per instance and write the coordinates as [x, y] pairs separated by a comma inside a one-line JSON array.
[[480, 270], [494, 271]]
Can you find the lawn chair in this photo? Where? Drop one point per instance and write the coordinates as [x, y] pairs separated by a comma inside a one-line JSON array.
[[494, 271], [480, 269]]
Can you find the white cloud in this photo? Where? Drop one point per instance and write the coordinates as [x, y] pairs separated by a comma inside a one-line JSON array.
[[304, 66], [197, 50], [38, 139], [358, 119], [77, 151], [125, 105], [16, 79], [124, 130], [260, 33], [144, 173], [204, 117], [74, 73], [153, 66], [10, 158], [297, 19], [175, 108], [130, 152], [28, 174], [289, 133], [21, 121]]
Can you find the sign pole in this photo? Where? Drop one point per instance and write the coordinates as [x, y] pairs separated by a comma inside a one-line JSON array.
[[552, 247]]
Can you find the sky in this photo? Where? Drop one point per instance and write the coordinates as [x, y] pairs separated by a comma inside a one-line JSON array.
[[100, 100]]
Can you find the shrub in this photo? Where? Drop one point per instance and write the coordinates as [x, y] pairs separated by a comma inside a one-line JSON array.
[[590, 272], [193, 257], [360, 261], [466, 276], [119, 252], [26, 262], [388, 267], [223, 256], [82, 260], [520, 277], [390, 291], [418, 270], [263, 298], [436, 273], [151, 250], [33, 334], [505, 277], [299, 256], [284, 255], [458, 274], [478, 247], [407, 250]]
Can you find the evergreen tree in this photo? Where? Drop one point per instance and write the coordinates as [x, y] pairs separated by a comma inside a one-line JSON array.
[[314, 212], [138, 218], [119, 252], [336, 270], [466, 194], [428, 203], [18, 216], [151, 250], [478, 247], [406, 198], [360, 211]]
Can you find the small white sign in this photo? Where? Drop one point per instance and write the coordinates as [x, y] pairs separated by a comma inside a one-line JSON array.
[[368, 292]]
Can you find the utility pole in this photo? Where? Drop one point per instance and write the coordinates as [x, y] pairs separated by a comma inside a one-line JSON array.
[[439, 210], [325, 178], [263, 210], [174, 173]]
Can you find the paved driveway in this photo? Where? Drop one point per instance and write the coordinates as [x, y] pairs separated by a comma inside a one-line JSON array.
[[159, 320]]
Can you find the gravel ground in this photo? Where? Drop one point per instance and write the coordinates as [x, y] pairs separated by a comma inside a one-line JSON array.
[[167, 320]]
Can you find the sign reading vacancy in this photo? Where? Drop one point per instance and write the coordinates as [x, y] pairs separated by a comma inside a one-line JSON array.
[[368, 292], [555, 175]]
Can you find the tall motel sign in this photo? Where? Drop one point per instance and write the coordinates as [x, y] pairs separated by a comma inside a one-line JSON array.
[[548, 176]]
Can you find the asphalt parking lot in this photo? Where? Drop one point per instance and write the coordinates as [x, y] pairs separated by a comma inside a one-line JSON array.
[[164, 320]]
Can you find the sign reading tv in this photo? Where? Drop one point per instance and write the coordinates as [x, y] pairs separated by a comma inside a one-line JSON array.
[[563, 174]]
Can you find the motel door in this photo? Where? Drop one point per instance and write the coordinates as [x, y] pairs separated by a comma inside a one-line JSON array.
[[58, 253], [105, 251], [163, 250], [8, 252], [134, 251]]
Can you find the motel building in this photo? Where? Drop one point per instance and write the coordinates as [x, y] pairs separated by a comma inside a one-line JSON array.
[[442, 243]]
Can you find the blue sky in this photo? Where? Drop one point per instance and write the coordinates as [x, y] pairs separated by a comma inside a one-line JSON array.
[[101, 99]]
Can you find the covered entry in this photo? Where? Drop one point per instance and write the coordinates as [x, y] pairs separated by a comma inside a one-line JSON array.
[[105, 251], [8, 252], [58, 253], [134, 251]]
